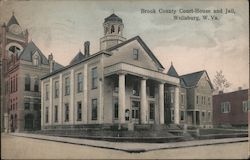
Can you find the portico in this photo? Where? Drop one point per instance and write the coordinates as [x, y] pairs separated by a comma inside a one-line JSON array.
[[140, 92]]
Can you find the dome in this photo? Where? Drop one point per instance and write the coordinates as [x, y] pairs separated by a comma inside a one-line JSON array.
[[113, 18]]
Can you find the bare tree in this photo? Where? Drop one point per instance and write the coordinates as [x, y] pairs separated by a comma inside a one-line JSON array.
[[220, 82]]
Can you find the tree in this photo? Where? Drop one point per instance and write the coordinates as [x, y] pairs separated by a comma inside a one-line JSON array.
[[220, 82]]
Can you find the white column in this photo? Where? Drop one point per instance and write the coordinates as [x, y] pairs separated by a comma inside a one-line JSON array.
[[60, 107], [72, 96], [100, 82], [121, 98], [144, 104], [50, 102], [42, 105], [85, 94], [177, 106], [161, 102]]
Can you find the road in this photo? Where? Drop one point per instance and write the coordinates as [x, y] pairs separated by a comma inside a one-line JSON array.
[[13, 147]]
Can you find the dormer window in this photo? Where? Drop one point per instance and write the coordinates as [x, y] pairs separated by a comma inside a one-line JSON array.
[[135, 54], [35, 59]]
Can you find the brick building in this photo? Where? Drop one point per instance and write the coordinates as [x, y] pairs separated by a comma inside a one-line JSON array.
[[231, 108], [22, 65]]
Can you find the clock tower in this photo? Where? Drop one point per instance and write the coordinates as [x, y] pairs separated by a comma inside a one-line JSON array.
[[13, 39]]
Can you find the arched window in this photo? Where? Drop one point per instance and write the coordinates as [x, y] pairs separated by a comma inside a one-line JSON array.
[[106, 30], [119, 30], [112, 29], [27, 83], [36, 85], [14, 49]]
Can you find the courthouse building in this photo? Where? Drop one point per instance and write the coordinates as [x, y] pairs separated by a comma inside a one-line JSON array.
[[22, 65], [123, 83]]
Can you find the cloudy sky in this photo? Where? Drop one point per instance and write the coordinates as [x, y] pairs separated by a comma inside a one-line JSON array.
[[61, 27]]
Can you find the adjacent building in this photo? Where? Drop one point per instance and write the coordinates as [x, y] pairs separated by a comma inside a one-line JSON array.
[[195, 99], [124, 84], [22, 65], [231, 109]]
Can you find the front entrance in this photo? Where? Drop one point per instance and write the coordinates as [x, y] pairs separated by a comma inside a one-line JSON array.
[[29, 121], [135, 111]]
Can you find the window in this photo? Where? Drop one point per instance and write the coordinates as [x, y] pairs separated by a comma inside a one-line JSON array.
[[151, 111], [47, 115], [152, 91], [16, 82], [245, 106], [79, 82], [11, 85], [116, 108], [135, 54], [182, 116], [56, 114], [203, 116], [47, 92], [172, 115], [79, 111], [182, 99], [136, 88], [94, 78], [116, 87], [27, 106], [197, 99], [27, 83], [36, 85], [119, 30], [94, 109], [112, 29], [35, 60], [209, 117], [172, 97], [67, 86], [14, 49], [225, 107], [208, 100], [56, 89], [66, 112]]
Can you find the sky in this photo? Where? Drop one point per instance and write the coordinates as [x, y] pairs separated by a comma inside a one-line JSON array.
[[61, 27]]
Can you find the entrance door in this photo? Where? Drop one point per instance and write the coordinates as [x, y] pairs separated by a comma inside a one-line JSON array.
[[135, 111], [29, 121]]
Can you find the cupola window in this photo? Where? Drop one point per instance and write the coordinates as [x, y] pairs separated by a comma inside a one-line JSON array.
[[112, 29]]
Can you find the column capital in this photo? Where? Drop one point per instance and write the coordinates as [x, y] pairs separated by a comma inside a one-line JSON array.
[[161, 82], [121, 73], [144, 78]]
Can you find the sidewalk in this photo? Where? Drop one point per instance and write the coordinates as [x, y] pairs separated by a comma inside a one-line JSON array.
[[131, 147]]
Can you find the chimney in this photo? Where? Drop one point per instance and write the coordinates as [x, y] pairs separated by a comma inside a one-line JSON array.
[[51, 63], [86, 48]]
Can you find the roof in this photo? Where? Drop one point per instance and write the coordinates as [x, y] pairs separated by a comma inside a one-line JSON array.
[[144, 46], [79, 56], [57, 66], [172, 72], [29, 50], [74, 64], [12, 20], [113, 18], [192, 79]]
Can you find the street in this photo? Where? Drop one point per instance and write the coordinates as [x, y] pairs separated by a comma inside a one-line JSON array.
[[26, 148]]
